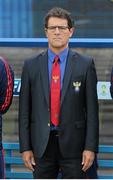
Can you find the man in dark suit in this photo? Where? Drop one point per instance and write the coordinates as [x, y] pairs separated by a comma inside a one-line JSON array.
[[58, 109]]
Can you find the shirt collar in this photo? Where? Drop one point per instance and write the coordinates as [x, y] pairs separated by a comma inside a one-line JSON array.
[[62, 55]]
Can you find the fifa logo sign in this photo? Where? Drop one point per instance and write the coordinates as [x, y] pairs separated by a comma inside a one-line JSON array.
[[17, 86]]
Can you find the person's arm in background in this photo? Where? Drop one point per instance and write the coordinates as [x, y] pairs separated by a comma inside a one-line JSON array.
[[6, 95], [6, 85], [111, 81]]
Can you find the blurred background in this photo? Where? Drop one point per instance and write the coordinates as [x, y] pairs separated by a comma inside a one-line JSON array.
[[24, 18]]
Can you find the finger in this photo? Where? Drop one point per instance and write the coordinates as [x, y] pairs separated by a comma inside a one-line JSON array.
[[83, 160], [28, 164], [84, 168], [33, 161], [87, 165], [86, 162]]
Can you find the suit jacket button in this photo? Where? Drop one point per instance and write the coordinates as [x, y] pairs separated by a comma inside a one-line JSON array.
[[48, 109], [48, 124]]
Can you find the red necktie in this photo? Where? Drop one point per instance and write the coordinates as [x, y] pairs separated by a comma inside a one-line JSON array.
[[55, 92]]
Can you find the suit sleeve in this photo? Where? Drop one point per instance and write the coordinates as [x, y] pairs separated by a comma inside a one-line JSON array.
[[3, 83], [92, 132], [24, 111], [6, 85], [111, 81]]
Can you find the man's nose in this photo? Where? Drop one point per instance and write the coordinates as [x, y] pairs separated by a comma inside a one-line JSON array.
[[57, 30]]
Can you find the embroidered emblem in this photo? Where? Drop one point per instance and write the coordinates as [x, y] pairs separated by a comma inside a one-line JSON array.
[[77, 86], [55, 78]]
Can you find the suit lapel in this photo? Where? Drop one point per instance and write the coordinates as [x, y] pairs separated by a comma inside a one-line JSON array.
[[45, 75], [67, 75]]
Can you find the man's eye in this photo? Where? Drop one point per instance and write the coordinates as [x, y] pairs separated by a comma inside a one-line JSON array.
[[61, 28], [52, 27]]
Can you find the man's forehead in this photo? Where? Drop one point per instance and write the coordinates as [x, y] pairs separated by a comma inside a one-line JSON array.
[[57, 21]]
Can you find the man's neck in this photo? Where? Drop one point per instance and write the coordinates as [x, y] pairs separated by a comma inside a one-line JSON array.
[[57, 50]]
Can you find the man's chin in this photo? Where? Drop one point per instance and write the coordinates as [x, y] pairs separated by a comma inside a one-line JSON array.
[[57, 45]]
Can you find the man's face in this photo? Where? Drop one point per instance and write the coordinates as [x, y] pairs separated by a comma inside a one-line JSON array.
[[58, 33]]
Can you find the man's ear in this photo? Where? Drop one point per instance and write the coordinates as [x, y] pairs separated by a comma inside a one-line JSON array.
[[46, 32], [72, 31]]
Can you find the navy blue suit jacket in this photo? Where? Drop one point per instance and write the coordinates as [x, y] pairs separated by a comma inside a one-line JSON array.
[[79, 125]]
